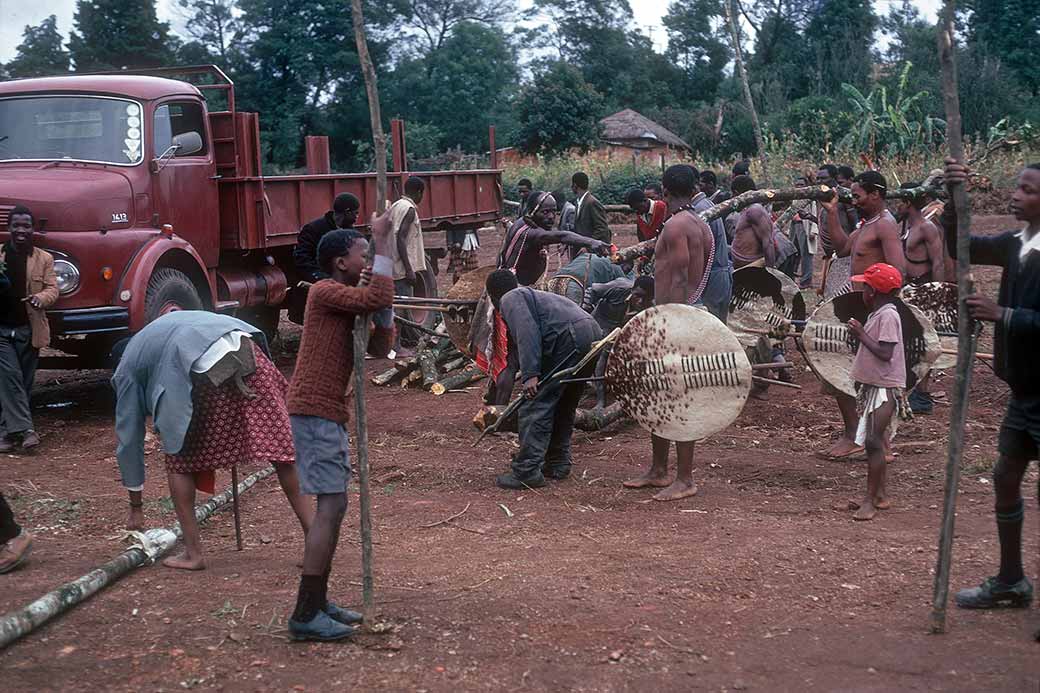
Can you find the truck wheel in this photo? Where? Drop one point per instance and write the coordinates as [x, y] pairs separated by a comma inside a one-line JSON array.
[[425, 287], [169, 290]]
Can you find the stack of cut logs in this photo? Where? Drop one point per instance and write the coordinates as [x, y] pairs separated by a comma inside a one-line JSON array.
[[438, 366]]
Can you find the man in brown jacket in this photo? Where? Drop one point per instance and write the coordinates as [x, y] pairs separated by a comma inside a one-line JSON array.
[[30, 288], [591, 218]]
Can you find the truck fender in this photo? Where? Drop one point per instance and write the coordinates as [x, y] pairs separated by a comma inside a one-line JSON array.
[[162, 251]]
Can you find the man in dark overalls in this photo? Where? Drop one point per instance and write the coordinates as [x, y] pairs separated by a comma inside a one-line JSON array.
[[547, 333]]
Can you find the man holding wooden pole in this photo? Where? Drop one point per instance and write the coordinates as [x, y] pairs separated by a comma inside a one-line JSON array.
[[1016, 319]]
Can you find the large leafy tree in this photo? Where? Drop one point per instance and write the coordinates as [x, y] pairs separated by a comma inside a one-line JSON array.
[[1009, 30], [462, 88], [840, 36], [115, 34], [698, 46], [295, 58], [558, 111], [212, 24], [40, 53], [781, 65], [433, 22]]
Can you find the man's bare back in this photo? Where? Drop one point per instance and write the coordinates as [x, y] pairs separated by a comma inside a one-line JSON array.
[[683, 252], [753, 238]]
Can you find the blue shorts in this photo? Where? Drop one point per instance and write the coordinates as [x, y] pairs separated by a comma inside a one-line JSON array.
[[322, 455]]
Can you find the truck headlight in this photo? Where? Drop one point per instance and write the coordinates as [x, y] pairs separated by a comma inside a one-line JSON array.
[[67, 275]]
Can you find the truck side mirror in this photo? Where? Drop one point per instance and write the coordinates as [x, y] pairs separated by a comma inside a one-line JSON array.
[[184, 144], [188, 143]]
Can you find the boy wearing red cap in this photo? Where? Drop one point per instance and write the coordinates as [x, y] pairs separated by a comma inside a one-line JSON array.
[[880, 372]]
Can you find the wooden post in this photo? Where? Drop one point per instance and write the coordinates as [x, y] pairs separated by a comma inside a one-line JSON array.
[[739, 60], [966, 334], [234, 506], [361, 320]]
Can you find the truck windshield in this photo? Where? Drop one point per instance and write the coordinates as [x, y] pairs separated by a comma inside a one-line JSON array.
[[78, 128]]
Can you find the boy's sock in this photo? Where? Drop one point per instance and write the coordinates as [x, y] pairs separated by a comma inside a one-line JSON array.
[[1009, 529], [310, 599], [325, 588]]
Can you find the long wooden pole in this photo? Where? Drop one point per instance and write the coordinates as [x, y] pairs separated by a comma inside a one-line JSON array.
[[966, 334], [361, 321], [738, 58]]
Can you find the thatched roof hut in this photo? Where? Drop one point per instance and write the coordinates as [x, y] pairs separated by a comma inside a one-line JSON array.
[[628, 128]]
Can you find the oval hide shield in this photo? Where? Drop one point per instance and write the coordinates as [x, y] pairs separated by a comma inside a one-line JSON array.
[[679, 372], [830, 346]]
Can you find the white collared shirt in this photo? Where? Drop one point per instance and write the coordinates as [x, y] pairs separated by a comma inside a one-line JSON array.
[[1028, 245], [581, 199]]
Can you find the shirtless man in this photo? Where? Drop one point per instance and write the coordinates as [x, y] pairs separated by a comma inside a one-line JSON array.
[[684, 252], [925, 262], [876, 240], [753, 236], [922, 241]]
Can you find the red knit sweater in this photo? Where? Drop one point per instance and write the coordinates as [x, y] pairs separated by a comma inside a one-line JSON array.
[[326, 357]]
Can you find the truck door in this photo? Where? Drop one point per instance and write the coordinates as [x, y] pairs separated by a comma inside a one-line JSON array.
[[185, 186]]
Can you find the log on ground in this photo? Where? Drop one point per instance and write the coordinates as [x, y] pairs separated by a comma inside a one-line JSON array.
[[598, 419], [470, 374]]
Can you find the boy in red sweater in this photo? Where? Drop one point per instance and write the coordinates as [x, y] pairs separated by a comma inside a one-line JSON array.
[[318, 407]]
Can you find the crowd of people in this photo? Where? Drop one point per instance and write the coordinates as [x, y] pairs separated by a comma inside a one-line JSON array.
[[217, 400]]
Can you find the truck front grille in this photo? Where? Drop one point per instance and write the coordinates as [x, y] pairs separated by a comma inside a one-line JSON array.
[[5, 215]]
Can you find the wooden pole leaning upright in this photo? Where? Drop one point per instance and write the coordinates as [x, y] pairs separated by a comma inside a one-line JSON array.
[[361, 322], [738, 59], [966, 339]]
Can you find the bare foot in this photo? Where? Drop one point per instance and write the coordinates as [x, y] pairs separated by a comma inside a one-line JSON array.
[[135, 521], [676, 491], [647, 480], [866, 511], [183, 562], [889, 459], [841, 449], [882, 503]]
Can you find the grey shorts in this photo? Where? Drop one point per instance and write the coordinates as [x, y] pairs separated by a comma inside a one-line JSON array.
[[322, 455]]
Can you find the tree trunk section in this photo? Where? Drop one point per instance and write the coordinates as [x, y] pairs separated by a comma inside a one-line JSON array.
[[598, 419], [470, 374]]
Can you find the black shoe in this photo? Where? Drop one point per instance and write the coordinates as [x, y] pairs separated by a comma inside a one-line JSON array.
[[30, 440], [6, 445], [345, 616], [507, 480], [994, 592], [556, 472], [321, 627], [921, 402]]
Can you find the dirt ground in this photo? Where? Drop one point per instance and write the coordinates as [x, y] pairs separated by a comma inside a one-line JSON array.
[[760, 582]]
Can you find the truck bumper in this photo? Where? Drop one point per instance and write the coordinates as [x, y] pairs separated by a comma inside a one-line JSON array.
[[103, 320]]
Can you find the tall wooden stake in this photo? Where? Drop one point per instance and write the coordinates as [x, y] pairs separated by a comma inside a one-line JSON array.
[[361, 321], [966, 339], [738, 58]]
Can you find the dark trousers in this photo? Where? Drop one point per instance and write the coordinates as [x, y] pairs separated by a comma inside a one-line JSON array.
[[18, 361], [9, 529], [406, 336], [805, 258], [546, 422]]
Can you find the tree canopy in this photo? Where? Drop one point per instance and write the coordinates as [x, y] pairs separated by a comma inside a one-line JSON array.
[[545, 73]]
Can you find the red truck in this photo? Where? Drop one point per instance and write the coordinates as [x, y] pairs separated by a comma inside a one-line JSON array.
[[151, 202]]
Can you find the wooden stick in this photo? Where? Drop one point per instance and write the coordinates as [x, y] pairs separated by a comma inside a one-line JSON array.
[[361, 320], [234, 506], [447, 519], [597, 419], [769, 381], [966, 333], [979, 355]]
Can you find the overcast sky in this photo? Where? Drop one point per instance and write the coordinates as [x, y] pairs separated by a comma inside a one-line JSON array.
[[16, 14]]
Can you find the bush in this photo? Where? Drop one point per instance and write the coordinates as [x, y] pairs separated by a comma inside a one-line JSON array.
[[609, 179]]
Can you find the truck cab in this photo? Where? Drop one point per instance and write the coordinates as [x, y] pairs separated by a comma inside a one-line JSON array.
[[149, 193], [105, 163]]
